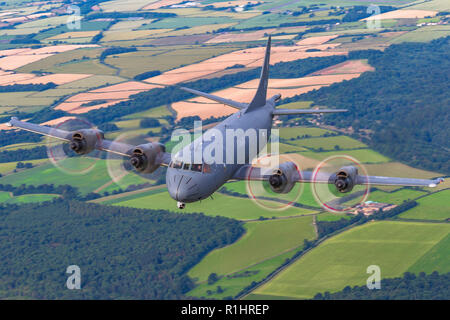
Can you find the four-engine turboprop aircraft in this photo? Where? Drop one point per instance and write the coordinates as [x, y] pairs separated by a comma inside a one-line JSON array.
[[189, 179]]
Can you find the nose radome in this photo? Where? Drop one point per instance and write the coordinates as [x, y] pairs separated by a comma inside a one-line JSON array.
[[183, 188]]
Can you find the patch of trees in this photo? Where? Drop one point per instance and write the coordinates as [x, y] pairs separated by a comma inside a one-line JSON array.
[[9, 137], [116, 50], [27, 87], [123, 253], [404, 103], [357, 13], [46, 115], [39, 152], [432, 286], [149, 123], [146, 75]]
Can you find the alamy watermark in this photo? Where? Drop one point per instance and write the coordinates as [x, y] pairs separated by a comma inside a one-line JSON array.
[[374, 280], [74, 280]]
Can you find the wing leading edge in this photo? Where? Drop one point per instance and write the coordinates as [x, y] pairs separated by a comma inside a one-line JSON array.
[[120, 148], [248, 172]]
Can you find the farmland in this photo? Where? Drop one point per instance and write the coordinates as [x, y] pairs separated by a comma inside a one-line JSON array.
[[110, 71], [342, 260]]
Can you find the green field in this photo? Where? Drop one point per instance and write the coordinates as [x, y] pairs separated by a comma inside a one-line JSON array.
[[329, 143], [278, 236], [432, 207], [221, 205], [342, 260], [234, 283], [306, 196], [437, 259], [424, 34], [48, 173], [395, 197], [7, 198], [362, 155], [296, 132]]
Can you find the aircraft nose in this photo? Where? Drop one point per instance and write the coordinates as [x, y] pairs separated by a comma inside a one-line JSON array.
[[183, 188]]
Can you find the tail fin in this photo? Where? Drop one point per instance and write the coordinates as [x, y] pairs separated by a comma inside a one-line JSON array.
[[260, 97]]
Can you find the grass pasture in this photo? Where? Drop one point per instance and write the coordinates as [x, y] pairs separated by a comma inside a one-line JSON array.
[[432, 207], [329, 143], [342, 260], [262, 240], [49, 174], [220, 205]]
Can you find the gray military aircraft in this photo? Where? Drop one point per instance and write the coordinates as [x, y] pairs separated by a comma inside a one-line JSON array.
[[189, 179]]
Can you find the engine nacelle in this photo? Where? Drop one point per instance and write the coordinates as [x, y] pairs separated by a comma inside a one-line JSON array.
[[145, 157], [345, 179], [283, 179], [85, 140]]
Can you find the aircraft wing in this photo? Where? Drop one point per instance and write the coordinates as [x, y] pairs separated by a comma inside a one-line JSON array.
[[102, 144], [231, 103], [249, 172], [305, 111]]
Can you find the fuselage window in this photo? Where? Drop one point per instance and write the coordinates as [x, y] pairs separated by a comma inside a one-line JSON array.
[[196, 167]]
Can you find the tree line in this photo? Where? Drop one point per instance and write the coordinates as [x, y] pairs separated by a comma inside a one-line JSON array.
[[123, 253]]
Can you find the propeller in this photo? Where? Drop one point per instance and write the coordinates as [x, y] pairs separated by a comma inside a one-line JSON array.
[[123, 170], [280, 191], [334, 183], [65, 156]]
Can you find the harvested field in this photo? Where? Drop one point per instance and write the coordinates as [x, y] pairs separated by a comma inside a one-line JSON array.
[[203, 110], [300, 82], [15, 77], [203, 107], [248, 57], [174, 78], [97, 106], [351, 66], [232, 3], [17, 61], [315, 40], [57, 121], [127, 86], [403, 14], [161, 3], [114, 95]]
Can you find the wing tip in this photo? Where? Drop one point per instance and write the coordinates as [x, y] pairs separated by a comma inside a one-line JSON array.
[[436, 182]]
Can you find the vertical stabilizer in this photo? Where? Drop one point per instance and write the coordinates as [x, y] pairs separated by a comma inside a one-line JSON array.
[[259, 100]]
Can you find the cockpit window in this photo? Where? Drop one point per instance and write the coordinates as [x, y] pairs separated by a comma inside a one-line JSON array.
[[196, 167], [206, 168], [177, 164]]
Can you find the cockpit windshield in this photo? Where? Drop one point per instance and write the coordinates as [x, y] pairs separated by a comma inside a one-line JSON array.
[[197, 167]]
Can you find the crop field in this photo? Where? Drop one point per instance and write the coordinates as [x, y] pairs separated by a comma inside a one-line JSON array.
[[343, 259], [298, 132], [329, 143], [48, 173], [432, 207], [279, 236], [234, 283], [220, 204], [424, 34], [362, 155], [395, 197]]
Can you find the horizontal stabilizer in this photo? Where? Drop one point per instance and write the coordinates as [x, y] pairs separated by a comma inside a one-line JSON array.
[[227, 102], [306, 111]]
